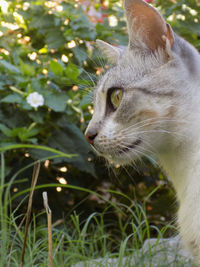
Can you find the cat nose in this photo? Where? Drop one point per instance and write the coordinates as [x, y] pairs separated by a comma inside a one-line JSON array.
[[90, 136]]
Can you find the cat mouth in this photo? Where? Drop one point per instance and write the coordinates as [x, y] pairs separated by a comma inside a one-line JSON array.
[[129, 148]]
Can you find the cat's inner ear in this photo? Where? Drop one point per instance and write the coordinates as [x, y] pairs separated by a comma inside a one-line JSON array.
[[146, 27], [112, 53]]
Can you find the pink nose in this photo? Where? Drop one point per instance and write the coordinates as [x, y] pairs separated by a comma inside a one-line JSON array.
[[89, 136]]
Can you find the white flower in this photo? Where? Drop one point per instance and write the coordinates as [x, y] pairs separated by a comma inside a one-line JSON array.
[[35, 100]]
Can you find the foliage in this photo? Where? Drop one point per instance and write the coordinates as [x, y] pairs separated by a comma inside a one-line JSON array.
[[48, 47], [45, 48]]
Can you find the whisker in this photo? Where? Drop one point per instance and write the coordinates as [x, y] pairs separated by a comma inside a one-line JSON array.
[[161, 119], [173, 133], [102, 60], [90, 77], [146, 123]]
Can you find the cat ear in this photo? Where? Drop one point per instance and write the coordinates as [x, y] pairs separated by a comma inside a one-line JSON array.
[[146, 27], [111, 52]]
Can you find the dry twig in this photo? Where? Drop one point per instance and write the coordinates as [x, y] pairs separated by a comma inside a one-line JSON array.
[[49, 222], [35, 175]]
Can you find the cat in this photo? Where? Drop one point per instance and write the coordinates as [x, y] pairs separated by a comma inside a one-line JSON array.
[[149, 102]]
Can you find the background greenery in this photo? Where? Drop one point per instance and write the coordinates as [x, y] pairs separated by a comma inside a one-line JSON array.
[[49, 47]]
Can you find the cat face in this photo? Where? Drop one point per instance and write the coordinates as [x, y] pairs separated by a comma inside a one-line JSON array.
[[137, 101], [131, 112]]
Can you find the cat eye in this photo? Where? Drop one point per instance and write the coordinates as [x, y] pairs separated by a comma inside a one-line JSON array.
[[116, 98]]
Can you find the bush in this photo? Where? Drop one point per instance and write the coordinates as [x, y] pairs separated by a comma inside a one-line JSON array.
[[48, 66]]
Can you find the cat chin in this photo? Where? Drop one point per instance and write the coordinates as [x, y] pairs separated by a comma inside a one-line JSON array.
[[122, 159], [125, 156]]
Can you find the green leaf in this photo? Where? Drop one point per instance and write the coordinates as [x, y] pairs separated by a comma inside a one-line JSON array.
[[37, 117], [72, 71], [27, 69], [24, 133], [2, 85], [56, 68], [55, 39], [8, 66], [46, 21], [57, 102], [86, 100], [71, 140], [13, 98], [82, 21], [68, 34], [4, 129], [80, 54]]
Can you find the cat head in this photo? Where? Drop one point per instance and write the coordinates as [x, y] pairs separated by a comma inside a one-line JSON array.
[[138, 100]]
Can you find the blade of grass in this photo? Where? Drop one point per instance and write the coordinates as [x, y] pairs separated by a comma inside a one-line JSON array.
[[28, 214], [3, 214], [49, 223], [58, 246], [69, 187], [13, 241], [17, 146]]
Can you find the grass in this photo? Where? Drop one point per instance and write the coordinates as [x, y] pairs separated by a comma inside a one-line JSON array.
[[76, 241]]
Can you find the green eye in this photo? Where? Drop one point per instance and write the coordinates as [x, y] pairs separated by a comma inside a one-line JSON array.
[[116, 98]]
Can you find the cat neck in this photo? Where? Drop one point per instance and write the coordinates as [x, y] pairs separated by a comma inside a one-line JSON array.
[[181, 164]]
